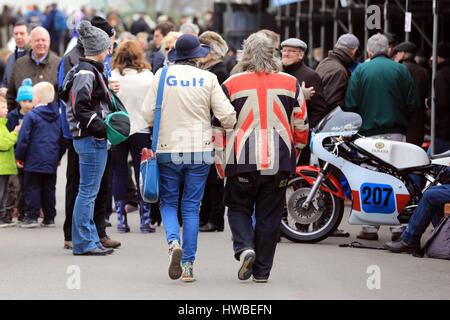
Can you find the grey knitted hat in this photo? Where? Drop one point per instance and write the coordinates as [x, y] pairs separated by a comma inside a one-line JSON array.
[[94, 40]]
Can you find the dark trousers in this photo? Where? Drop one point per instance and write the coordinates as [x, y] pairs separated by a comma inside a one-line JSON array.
[[73, 182], [133, 144], [265, 193], [39, 190], [15, 197], [212, 209]]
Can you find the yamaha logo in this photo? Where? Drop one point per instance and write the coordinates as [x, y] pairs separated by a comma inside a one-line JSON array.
[[379, 145]]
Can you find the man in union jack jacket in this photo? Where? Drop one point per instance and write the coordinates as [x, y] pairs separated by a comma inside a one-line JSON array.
[[258, 156]]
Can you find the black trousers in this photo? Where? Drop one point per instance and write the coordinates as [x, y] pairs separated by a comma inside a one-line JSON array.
[[72, 185], [212, 208], [39, 191], [265, 194]]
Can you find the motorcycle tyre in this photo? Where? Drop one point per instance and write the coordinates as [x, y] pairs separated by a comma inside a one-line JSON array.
[[332, 226]]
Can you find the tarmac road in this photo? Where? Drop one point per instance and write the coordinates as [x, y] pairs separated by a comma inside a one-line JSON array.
[[34, 265]]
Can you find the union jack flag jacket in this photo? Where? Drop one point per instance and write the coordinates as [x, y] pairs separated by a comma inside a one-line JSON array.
[[271, 123]]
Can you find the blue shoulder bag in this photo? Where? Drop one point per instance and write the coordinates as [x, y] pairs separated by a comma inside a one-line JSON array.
[[149, 179]]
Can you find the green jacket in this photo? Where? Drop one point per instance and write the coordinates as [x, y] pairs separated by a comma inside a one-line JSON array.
[[7, 141], [383, 93]]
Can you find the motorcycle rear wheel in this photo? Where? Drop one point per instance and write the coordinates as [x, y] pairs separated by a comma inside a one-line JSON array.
[[317, 223]]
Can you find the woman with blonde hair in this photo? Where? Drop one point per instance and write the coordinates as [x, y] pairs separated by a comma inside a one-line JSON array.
[[212, 209], [133, 72], [168, 43]]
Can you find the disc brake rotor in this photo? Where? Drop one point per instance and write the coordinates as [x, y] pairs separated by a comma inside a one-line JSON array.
[[296, 213]]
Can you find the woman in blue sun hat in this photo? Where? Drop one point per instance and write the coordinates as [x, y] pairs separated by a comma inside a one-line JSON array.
[[185, 148]]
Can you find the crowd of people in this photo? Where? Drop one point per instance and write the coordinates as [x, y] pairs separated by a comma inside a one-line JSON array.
[[250, 115]]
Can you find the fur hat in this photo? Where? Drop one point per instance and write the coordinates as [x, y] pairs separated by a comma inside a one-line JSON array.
[[219, 47]]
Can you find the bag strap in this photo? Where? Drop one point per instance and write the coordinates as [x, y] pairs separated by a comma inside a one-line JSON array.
[[61, 73], [159, 98]]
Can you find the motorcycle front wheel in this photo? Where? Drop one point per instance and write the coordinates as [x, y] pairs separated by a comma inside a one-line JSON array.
[[319, 221]]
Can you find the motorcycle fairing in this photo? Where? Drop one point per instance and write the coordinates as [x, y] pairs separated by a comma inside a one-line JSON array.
[[359, 178]]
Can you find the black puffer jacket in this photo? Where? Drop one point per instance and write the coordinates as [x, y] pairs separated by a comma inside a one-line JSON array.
[[85, 92]]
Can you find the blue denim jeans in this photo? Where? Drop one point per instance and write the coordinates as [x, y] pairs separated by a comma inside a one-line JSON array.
[[193, 177], [93, 155], [430, 209]]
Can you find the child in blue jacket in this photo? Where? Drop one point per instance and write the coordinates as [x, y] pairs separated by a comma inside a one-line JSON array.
[[39, 149]]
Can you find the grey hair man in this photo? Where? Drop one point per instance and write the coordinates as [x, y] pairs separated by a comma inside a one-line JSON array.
[[261, 185], [385, 106], [190, 28]]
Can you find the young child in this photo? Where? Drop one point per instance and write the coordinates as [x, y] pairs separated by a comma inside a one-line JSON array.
[[39, 150], [15, 197], [7, 164]]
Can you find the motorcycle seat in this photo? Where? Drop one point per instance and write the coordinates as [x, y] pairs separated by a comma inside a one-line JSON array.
[[441, 155]]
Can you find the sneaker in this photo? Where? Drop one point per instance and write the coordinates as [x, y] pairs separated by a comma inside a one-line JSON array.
[[247, 258], [50, 223], [260, 280], [188, 272], [175, 255], [6, 223], [28, 223]]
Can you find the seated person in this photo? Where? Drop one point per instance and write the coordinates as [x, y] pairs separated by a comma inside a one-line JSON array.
[[429, 209]]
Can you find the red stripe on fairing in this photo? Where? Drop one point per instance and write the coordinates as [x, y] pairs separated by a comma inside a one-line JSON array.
[[356, 201], [247, 123], [279, 113], [402, 201]]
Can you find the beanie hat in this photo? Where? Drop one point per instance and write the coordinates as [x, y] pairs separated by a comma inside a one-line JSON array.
[[25, 91], [94, 40], [101, 23]]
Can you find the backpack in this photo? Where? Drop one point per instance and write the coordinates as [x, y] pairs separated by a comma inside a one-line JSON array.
[[438, 244]]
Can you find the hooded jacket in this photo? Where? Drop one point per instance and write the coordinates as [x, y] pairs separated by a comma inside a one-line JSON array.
[[86, 95], [7, 142], [40, 143]]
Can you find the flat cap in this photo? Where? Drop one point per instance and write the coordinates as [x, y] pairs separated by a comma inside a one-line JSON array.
[[294, 42], [405, 47], [347, 41]]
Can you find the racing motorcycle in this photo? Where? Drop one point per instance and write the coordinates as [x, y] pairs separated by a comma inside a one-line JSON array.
[[380, 174]]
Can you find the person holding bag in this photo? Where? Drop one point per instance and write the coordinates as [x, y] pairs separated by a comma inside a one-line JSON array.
[[184, 149], [135, 77], [86, 92]]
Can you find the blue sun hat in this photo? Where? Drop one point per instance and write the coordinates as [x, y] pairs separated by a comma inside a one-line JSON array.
[[25, 91], [188, 47]]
